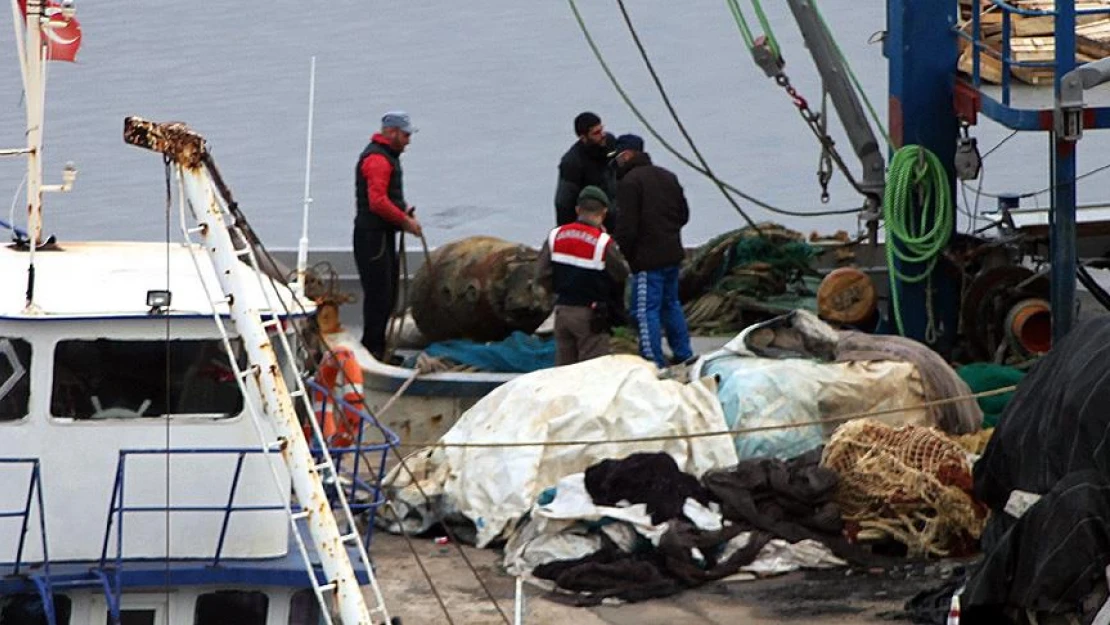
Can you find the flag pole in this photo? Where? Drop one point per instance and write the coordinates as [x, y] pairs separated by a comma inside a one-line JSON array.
[[35, 101], [302, 247]]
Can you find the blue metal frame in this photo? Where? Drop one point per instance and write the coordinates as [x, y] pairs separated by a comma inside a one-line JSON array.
[[1062, 218], [922, 51], [34, 494], [322, 399], [1062, 226], [1001, 111]]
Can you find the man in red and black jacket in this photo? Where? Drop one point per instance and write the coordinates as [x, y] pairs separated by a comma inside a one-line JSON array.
[[582, 264], [381, 213]]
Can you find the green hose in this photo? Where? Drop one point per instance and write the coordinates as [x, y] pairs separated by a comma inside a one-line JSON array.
[[916, 179]]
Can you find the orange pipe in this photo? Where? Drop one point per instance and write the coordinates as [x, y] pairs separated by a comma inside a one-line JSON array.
[[1029, 324]]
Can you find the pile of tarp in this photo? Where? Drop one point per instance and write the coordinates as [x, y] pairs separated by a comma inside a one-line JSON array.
[[604, 399], [639, 528], [793, 379], [1046, 476]]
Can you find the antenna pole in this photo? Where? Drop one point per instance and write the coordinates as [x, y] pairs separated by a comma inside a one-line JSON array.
[[302, 246]]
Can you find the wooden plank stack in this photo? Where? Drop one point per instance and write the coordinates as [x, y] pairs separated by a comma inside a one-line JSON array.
[[1031, 38]]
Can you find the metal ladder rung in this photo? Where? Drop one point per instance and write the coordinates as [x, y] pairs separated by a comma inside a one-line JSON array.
[[324, 465], [303, 514], [297, 393], [349, 538], [271, 323], [330, 587], [243, 251]]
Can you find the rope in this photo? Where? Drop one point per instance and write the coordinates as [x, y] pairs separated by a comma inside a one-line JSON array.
[[1029, 194], [733, 432], [670, 149], [765, 24], [852, 76], [916, 180], [741, 23], [677, 121], [401, 283], [388, 505], [746, 31]]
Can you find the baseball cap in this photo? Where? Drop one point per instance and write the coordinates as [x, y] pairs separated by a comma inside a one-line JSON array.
[[627, 142], [399, 120]]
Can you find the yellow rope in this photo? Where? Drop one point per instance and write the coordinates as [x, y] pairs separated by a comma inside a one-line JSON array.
[[761, 428]]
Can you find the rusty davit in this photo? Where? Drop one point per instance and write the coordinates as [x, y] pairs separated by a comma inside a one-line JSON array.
[[174, 139]]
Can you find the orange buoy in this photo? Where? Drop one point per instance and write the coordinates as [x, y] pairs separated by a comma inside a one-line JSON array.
[[846, 296], [341, 375]]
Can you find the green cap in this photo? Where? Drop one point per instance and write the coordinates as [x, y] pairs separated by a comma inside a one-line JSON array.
[[593, 193]]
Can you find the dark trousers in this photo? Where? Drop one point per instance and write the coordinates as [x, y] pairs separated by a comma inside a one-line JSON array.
[[575, 338], [376, 258]]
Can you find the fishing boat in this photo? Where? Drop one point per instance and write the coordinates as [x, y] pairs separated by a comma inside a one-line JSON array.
[[153, 411]]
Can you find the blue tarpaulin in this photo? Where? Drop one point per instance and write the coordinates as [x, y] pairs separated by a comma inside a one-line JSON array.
[[520, 353]]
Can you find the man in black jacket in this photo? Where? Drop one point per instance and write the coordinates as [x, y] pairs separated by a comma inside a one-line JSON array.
[[653, 211], [585, 164]]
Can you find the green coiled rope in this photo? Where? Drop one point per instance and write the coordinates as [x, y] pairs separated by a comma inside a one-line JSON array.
[[919, 218]]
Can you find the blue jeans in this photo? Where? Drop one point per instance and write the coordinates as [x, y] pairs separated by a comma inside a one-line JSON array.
[[657, 310]]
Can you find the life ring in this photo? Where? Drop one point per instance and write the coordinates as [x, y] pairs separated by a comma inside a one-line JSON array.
[[341, 375]]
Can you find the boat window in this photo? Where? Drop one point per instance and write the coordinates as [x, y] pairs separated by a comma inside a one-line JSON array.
[[15, 378], [106, 379], [304, 609], [27, 609], [232, 606], [135, 617]]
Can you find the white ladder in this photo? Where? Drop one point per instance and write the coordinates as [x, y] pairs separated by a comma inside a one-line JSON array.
[[265, 388]]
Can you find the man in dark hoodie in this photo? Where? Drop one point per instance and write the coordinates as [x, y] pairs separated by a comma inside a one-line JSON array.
[[653, 211], [585, 164]]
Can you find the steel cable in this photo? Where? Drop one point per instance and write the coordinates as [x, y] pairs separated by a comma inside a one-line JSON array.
[[669, 148]]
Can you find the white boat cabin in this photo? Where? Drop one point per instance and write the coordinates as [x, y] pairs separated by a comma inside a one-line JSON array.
[[117, 360]]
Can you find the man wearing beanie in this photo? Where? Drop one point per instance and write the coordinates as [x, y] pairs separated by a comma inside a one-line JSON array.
[[584, 267], [585, 163], [653, 212]]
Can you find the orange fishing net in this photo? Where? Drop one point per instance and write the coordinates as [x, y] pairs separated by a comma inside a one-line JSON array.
[[911, 483]]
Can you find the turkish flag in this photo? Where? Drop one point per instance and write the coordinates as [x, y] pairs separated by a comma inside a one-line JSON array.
[[62, 36]]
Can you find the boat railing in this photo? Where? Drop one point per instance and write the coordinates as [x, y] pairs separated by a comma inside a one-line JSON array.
[[32, 504], [1005, 53], [362, 464]]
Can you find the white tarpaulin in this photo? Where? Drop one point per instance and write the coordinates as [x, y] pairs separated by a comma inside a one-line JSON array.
[[609, 398]]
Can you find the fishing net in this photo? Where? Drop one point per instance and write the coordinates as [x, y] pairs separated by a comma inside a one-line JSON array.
[[740, 278], [910, 483]]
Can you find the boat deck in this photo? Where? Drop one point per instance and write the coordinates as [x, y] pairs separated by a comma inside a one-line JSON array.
[[819, 597]]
